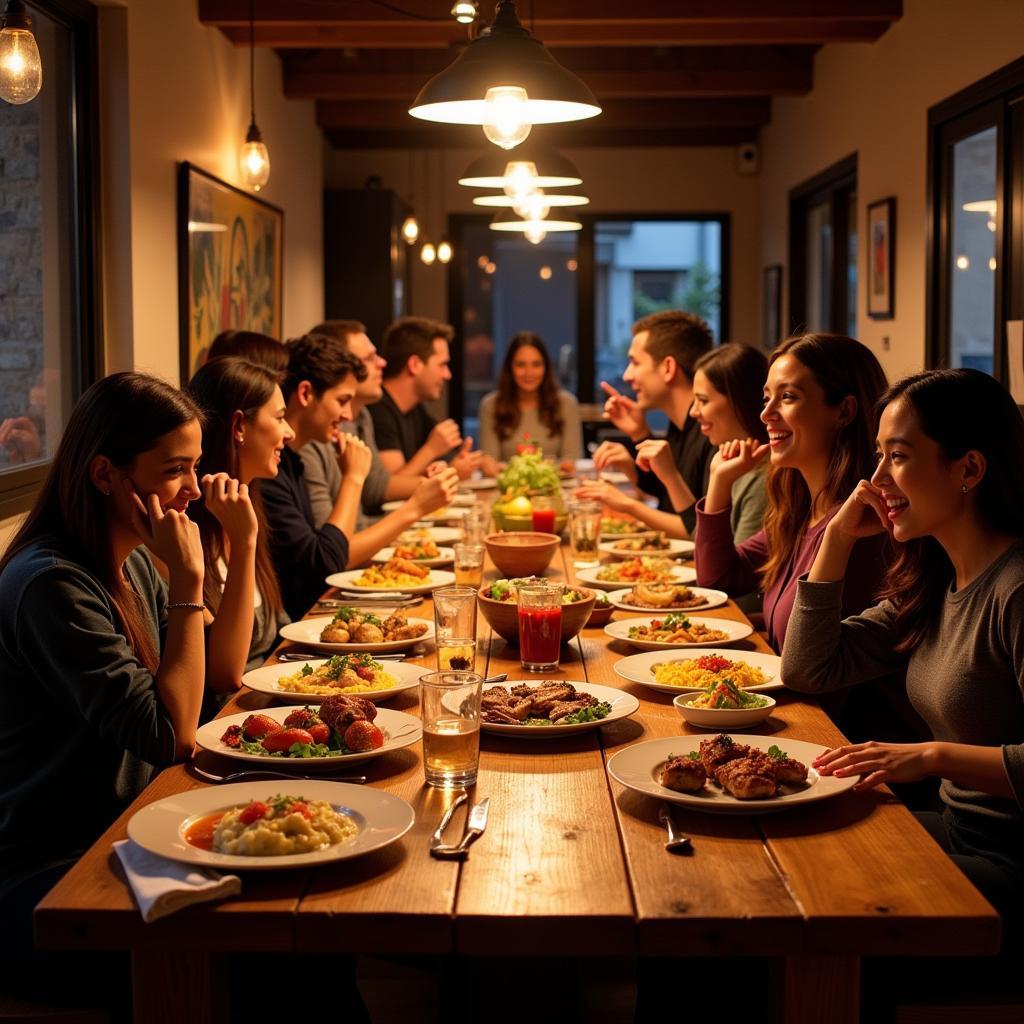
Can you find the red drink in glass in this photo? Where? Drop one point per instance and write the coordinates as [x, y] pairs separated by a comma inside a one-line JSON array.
[[544, 520], [540, 637]]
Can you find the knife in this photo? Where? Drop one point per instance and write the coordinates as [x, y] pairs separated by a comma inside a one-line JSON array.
[[475, 826]]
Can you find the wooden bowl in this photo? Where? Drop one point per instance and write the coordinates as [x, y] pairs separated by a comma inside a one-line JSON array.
[[522, 553], [600, 616], [503, 616]]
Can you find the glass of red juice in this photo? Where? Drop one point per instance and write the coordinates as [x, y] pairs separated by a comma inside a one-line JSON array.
[[540, 626], [543, 514]]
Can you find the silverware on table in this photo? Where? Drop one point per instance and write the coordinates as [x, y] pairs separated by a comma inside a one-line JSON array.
[[398, 600], [314, 655], [262, 773], [437, 839], [677, 842], [499, 678], [475, 825]]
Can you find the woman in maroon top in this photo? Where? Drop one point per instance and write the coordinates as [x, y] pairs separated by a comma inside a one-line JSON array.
[[819, 410]]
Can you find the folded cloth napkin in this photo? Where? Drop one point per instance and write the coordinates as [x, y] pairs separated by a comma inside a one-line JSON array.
[[162, 886]]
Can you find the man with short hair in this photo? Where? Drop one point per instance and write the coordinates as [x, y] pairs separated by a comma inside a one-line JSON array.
[[408, 437], [662, 355], [318, 388]]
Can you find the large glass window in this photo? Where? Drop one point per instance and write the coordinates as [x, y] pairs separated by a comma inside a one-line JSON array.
[[45, 292]]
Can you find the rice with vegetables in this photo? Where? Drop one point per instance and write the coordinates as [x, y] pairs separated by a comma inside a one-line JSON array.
[[704, 672], [348, 673]]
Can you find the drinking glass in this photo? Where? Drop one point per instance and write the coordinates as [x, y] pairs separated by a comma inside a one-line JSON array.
[[474, 524], [540, 625], [455, 628], [469, 564], [450, 706], [543, 515], [584, 532]]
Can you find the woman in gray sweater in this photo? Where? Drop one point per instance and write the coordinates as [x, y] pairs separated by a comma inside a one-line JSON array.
[[948, 490]]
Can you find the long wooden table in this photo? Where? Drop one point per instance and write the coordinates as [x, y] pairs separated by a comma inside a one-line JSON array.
[[571, 864]]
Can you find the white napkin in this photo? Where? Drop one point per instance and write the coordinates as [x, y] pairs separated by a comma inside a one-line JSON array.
[[163, 886]]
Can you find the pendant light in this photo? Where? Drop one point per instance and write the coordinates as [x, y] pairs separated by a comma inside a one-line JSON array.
[[506, 81], [552, 200], [411, 226], [21, 70], [254, 160], [465, 12], [444, 247], [428, 251], [508, 221], [550, 168]]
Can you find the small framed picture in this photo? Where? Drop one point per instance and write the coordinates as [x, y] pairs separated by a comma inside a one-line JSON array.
[[771, 306], [881, 259]]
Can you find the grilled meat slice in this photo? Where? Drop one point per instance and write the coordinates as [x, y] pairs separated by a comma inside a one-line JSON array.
[[684, 774], [719, 750], [340, 710], [746, 779]]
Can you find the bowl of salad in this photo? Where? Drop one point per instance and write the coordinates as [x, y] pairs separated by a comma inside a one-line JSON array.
[[497, 603], [602, 612], [724, 705]]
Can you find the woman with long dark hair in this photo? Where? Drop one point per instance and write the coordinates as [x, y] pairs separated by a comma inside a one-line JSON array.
[[244, 434], [529, 409], [819, 401], [101, 663], [947, 489]]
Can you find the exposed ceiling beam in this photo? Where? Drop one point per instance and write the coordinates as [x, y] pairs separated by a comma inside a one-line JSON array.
[[351, 23], [667, 73]]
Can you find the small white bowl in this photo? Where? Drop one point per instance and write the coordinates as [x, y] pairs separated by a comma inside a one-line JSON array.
[[722, 718]]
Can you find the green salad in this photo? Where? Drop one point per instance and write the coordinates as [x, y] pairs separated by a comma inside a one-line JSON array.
[[529, 472], [504, 590]]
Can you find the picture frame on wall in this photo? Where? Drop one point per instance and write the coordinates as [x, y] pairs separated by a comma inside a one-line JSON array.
[[230, 251], [881, 277], [771, 305]]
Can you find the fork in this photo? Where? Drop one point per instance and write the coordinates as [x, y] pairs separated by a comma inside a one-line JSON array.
[[437, 839], [261, 773], [677, 842], [306, 656]]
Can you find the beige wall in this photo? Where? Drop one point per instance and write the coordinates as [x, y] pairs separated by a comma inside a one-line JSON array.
[[661, 180], [874, 100], [174, 90]]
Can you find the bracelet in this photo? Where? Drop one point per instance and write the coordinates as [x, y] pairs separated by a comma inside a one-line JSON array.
[[191, 605]]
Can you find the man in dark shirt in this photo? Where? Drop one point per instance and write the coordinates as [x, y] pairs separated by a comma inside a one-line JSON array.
[[318, 390], [662, 355], [408, 438]]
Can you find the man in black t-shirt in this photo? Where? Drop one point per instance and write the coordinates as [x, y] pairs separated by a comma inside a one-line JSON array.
[[662, 355], [408, 438]]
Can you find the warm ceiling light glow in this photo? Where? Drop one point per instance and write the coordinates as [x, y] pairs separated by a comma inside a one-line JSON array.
[[533, 206], [507, 123], [992, 263], [990, 224], [444, 251], [962, 262], [506, 55], [981, 206], [464, 12], [482, 262], [520, 178], [552, 199], [535, 233], [428, 253], [571, 265], [21, 70], [254, 162], [552, 169], [491, 267], [545, 273], [508, 221], [410, 229]]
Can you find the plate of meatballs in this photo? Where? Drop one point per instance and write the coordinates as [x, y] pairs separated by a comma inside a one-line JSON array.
[[355, 629], [727, 774]]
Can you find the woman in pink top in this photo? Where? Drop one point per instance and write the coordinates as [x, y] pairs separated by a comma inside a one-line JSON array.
[[819, 407]]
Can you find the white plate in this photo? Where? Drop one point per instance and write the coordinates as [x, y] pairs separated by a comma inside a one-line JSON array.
[[674, 550], [637, 667], [438, 534], [636, 768], [712, 599], [736, 631], [159, 827], [307, 632], [446, 557], [264, 680], [347, 581], [721, 719], [484, 483], [440, 515], [400, 730], [623, 705], [680, 574]]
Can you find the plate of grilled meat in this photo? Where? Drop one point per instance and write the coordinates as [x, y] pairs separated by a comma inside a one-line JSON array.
[[551, 707], [727, 774]]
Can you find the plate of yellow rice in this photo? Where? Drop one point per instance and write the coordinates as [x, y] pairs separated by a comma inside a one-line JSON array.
[[749, 670]]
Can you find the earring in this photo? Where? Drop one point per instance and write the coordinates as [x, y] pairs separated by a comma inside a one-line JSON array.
[[240, 439], [963, 488]]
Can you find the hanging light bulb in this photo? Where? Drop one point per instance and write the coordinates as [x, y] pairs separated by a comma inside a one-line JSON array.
[[532, 206], [428, 253], [410, 229], [465, 12], [21, 70], [506, 116], [535, 232], [444, 250], [254, 160], [520, 178]]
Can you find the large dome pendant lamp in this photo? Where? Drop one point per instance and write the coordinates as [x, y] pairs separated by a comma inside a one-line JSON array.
[[254, 160], [506, 81]]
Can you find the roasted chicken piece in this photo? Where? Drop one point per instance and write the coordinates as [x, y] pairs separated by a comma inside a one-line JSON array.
[[412, 568], [397, 627], [718, 750], [336, 633], [367, 633], [684, 774], [747, 778]]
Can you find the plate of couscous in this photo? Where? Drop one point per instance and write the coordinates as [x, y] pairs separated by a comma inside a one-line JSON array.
[[749, 670]]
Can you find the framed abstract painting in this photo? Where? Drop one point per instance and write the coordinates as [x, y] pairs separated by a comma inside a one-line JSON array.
[[881, 254], [230, 249]]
